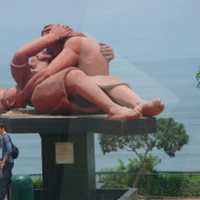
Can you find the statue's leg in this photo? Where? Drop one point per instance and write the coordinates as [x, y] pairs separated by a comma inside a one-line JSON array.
[[50, 96], [125, 96], [55, 93], [78, 83]]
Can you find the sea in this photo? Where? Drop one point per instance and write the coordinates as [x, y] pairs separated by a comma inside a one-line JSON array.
[[157, 53], [176, 87]]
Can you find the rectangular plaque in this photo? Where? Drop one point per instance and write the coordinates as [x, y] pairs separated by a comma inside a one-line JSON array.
[[64, 153]]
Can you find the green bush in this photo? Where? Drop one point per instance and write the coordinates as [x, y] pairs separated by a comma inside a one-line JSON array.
[[159, 184], [124, 175], [165, 185], [37, 182], [198, 79], [152, 182]]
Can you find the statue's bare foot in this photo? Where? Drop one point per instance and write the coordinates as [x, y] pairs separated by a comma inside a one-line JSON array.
[[152, 108], [124, 113]]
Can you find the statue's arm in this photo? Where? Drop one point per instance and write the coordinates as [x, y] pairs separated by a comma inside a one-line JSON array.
[[30, 49], [20, 64], [66, 58]]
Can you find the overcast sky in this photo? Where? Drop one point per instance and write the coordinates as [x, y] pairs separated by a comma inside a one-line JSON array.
[[141, 29]]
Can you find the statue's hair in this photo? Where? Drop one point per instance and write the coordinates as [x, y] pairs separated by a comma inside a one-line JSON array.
[[46, 28]]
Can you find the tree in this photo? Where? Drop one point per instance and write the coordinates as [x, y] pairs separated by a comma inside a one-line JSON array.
[[198, 79], [170, 137]]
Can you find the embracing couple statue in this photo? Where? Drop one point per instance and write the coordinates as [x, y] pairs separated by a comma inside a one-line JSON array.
[[65, 72]]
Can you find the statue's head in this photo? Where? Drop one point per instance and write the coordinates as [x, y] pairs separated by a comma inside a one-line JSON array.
[[47, 28], [7, 98], [56, 47]]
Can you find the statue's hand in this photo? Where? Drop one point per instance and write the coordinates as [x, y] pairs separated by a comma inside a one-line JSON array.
[[106, 51], [61, 31]]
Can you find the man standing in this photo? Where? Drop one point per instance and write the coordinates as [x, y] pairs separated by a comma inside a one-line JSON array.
[[6, 163]]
